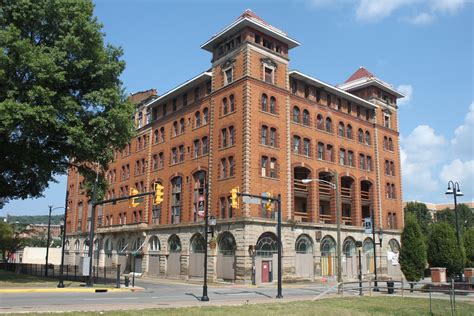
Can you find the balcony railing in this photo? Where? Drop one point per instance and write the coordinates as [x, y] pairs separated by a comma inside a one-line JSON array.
[[346, 192], [300, 187], [325, 189], [365, 196], [325, 218], [301, 217]]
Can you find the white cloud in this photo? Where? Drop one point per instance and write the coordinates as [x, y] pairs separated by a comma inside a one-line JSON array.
[[462, 172], [375, 10], [422, 19], [464, 136], [449, 6], [407, 90]]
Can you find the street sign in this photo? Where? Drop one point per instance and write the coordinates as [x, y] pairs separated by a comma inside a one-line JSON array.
[[85, 266], [251, 200], [368, 225]]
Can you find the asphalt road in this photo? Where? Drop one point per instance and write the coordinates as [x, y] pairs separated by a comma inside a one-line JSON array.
[[156, 294]]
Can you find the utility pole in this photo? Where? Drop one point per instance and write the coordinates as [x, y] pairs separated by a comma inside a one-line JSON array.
[[338, 233], [48, 241], [61, 269], [204, 297], [279, 294], [90, 281]]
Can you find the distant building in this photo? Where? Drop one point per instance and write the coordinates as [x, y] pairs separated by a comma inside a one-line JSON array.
[[433, 207], [40, 231]]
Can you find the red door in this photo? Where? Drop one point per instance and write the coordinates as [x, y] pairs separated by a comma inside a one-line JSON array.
[[265, 271]]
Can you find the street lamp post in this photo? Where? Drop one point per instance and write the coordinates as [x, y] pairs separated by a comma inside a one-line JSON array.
[[455, 191], [335, 187], [204, 297], [61, 269], [376, 288], [48, 237], [359, 250]]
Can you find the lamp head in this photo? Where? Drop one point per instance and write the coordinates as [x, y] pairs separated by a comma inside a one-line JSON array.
[[459, 192], [449, 190], [212, 221], [306, 181]]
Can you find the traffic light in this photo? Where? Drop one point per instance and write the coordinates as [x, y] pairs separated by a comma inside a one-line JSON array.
[[158, 197], [269, 203], [134, 200], [234, 197]]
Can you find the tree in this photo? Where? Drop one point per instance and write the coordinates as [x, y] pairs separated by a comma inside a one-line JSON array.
[[8, 241], [465, 217], [61, 99], [422, 214], [413, 250], [468, 239], [443, 250]]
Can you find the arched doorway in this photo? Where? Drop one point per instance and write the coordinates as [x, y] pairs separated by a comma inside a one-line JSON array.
[[226, 257], [173, 268], [349, 258], [154, 248], [304, 257], [393, 266], [266, 258], [328, 256], [122, 246], [196, 256], [302, 194], [368, 252]]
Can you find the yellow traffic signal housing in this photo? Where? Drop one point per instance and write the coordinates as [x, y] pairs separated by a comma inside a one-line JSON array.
[[269, 203], [234, 197], [134, 200], [158, 197]]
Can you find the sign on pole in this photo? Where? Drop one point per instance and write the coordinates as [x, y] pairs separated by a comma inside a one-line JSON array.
[[368, 225], [251, 200], [85, 266]]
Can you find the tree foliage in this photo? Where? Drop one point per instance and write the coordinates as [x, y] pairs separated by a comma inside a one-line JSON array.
[[465, 217], [61, 99], [468, 239], [422, 214], [9, 242], [443, 250], [413, 250]]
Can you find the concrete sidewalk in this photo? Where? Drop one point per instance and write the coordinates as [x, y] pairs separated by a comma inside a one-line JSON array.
[[18, 290]]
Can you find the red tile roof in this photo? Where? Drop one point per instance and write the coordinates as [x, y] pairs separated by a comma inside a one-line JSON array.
[[360, 73], [250, 14]]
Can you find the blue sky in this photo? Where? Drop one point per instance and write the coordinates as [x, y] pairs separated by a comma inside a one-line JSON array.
[[422, 47]]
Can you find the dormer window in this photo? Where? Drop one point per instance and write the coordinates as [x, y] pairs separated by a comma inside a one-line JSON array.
[[228, 75]]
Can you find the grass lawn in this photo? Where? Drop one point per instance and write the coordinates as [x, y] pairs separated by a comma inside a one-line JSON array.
[[10, 279], [326, 307]]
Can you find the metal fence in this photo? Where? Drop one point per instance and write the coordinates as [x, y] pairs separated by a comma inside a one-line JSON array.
[[101, 275], [414, 289]]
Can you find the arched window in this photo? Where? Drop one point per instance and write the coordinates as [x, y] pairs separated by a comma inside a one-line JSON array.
[[227, 244], [174, 244], [328, 125], [266, 245], [360, 135], [368, 247], [175, 128], [328, 246], [349, 131], [273, 105], [225, 106], [367, 138], [66, 245], [77, 245], [394, 245], [390, 144], [340, 130], [320, 122], [205, 116], [264, 102], [296, 114], [121, 245], [385, 142], [162, 134], [154, 244], [348, 248], [197, 119], [305, 117], [232, 103], [306, 147], [137, 244], [304, 244], [108, 246], [198, 244], [199, 184], [156, 136], [181, 126]]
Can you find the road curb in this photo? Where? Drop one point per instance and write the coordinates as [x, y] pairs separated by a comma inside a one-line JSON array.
[[68, 290]]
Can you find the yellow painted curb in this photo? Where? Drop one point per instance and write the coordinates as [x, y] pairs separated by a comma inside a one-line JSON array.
[[67, 290]]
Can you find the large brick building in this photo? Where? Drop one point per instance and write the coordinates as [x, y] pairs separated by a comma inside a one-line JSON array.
[[251, 122]]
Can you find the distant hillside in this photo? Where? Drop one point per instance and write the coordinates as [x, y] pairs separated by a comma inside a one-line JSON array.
[[34, 219]]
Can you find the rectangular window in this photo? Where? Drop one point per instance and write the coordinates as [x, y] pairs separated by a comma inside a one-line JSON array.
[[197, 148], [273, 168], [342, 157], [272, 137], [204, 146], [264, 163], [268, 75], [228, 76], [263, 138], [161, 160]]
